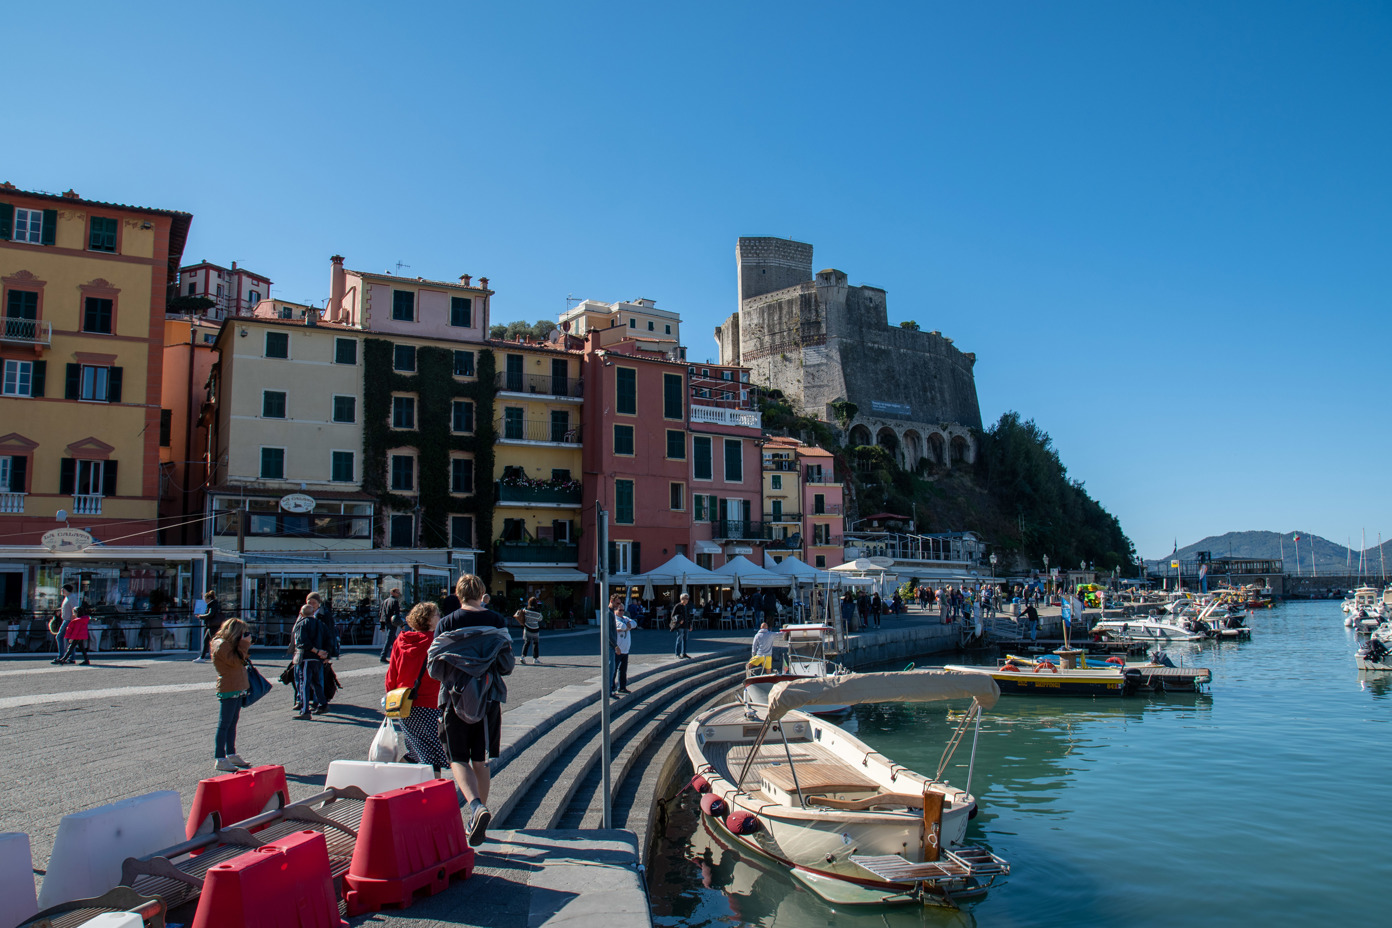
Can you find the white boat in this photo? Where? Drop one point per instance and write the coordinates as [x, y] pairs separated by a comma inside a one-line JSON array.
[[854, 826], [807, 646], [1158, 628], [1375, 654], [1367, 598]]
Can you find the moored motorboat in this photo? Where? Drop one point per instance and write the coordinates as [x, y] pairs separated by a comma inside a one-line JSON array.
[[807, 658], [1158, 628], [854, 826], [1374, 655], [1073, 673]]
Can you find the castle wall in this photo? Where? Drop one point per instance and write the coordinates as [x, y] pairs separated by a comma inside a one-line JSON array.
[[768, 264]]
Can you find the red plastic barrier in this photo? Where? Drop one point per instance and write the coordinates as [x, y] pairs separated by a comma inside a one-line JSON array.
[[411, 840], [235, 797], [285, 884]]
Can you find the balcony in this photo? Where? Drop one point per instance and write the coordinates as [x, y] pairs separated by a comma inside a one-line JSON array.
[[780, 518], [783, 464], [87, 505], [539, 384], [816, 474], [792, 543], [538, 495], [835, 509], [11, 502], [720, 415], [831, 541], [741, 529], [536, 552], [539, 430], [26, 331]]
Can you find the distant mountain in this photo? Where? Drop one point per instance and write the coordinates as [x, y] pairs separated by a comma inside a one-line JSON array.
[[1328, 557]]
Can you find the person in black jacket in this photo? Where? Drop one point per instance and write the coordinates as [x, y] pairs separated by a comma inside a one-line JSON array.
[[310, 652], [681, 624], [390, 619]]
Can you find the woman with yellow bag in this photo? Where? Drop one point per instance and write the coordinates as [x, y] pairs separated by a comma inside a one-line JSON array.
[[418, 711]]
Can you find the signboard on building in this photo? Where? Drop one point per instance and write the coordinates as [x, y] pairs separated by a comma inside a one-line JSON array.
[[900, 410], [62, 540], [297, 502]]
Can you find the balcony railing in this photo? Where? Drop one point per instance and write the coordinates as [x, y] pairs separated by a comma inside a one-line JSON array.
[[27, 331], [87, 505], [539, 430], [541, 384], [819, 475], [779, 517], [831, 541], [537, 552], [783, 464], [507, 494], [11, 502], [741, 529], [791, 543], [719, 415], [835, 509]]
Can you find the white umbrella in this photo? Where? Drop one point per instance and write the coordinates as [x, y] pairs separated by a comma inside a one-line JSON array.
[[648, 592], [735, 585], [683, 583]]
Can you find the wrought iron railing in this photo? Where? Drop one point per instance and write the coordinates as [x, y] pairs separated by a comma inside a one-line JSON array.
[[29, 331], [514, 494], [539, 430], [537, 552], [541, 384], [741, 529]]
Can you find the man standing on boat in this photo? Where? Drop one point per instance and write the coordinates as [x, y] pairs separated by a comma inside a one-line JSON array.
[[761, 653]]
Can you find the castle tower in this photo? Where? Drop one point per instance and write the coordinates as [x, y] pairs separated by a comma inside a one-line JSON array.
[[768, 264]]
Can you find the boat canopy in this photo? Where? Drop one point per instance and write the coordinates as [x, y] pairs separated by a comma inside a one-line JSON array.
[[899, 686]]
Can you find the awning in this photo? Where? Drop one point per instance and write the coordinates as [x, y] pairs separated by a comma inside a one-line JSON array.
[[707, 547], [544, 574], [901, 686]]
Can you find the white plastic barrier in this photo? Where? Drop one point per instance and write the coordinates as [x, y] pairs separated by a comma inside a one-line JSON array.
[[115, 920], [91, 845], [371, 777], [16, 879]]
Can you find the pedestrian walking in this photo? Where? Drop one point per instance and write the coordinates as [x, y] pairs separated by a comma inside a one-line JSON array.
[[307, 639], [876, 608], [470, 655], [229, 648], [1032, 621], [848, 611], [624, 625], [681, 624], [530, 620], [211, 621], [58, 625], [324, 613], [389, 619], [77, 636], [761, 649], [406, 669]]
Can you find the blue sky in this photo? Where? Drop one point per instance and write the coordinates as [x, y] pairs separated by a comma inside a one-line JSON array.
[[1163, 228]]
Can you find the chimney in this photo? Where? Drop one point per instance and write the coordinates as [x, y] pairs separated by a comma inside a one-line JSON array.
[[483, 282], [337, 284], [465, 278]]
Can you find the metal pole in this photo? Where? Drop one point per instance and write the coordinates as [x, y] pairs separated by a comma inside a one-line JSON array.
[[605, 630], [971, 764]]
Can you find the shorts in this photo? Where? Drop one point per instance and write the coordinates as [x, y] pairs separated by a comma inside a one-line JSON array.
[[765, 661], [472, 742]]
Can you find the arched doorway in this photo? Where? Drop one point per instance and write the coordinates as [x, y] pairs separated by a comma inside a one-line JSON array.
[[889, 441], [913, 448], [860, 435], [961, 450], [937, 448]]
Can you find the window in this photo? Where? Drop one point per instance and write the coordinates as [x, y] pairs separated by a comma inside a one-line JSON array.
[[676, 445], [254, 297], [21, 378], [623, 502], [13, 471], [22, 304], [96, 315], [669, 328], [403, 412], [701, 463], [166, 427], [650, 325], [272, 463], [277, 344], [821, 561], [698, 507], [626, 399], [734, 461], [345, 409], [29, 226], [819, 504], [462, 475], [341, 466], [632, 323], [272, 404], [86, 478], [461, 531], [821, 533], [403, 473], [403, 531], [463, 415], [345, 351], [776, 482], [724, 375], [403, 306], [512, 423], [560, 425], [623, 439], [677, 496], [101, 234], [100, 384], [463, 364], [671, 396], [193, 288], [461, 312], [512, 379], [404, 358], [560, 474]]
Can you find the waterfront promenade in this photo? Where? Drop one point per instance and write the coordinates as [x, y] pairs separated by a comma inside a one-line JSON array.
[[77, 737]]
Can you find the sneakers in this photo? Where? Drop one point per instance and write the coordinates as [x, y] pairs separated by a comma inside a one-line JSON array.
[[237, 759], [479, 817], [522, 660], [224, 764], [624, 691], [303, 717], [199, 660]]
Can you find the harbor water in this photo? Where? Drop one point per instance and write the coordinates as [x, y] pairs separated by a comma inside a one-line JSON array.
[[1262, 801]]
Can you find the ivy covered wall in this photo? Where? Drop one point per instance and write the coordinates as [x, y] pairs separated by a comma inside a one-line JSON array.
[[436, 389]]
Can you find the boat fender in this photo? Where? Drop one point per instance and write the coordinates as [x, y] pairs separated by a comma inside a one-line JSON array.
[[711, 804], [1117, 661], [1011, 668], [700, 784], [1045, 665], [742, 823]]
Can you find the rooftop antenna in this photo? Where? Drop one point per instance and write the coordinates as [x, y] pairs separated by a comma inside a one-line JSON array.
[[571, 300]]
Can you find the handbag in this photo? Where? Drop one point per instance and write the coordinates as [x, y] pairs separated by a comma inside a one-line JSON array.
[[400, 700], [257, 685], [386, 744]]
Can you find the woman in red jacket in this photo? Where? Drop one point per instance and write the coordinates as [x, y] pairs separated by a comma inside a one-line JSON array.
[[407, 665]]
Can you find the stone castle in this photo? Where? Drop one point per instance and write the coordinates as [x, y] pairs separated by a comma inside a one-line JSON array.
[[820, 340]]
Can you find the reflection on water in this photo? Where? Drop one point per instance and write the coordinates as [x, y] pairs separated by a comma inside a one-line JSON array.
[[1133, 811]]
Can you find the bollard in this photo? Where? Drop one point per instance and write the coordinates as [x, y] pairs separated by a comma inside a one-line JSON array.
[[281, 884], [411, 840], [235, 797], [16, 879], [91, 846]]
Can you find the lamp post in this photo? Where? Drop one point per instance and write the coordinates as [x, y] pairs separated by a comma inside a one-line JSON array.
[[1047, 585], [993, 566]]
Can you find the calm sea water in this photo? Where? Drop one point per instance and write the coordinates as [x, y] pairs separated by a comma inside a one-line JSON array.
[[1261, 802]]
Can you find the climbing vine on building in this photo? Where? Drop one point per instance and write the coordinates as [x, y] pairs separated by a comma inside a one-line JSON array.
[[436, 389]]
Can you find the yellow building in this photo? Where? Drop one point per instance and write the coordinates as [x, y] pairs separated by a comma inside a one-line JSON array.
[[538, 462]]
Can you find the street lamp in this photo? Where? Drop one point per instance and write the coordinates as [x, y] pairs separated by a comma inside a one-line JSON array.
[[1047, 584], [993, 566]]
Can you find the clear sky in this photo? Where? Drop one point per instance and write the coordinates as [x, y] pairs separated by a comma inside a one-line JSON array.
[[1162, 227]]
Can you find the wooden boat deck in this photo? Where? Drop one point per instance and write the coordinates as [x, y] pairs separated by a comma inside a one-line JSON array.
[[825, 770]]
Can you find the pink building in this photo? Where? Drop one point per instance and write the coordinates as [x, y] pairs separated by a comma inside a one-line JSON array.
[[235, 291], [726, 486]]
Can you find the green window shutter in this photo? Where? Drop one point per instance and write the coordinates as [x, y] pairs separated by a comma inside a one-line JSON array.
[[39, 378], [18, 468], [716, 516], [109, 479], [72, 388], [50, 225], [6, 221], [67, 476], [636, 566], [613, 557], [113, 385], [671, 396]]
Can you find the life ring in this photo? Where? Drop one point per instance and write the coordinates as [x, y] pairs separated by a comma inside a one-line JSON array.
[[1045, 665], [1117, 660], [1010, 668]]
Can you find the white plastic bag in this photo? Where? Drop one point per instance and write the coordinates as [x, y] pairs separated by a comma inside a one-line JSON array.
[[386, 746]]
